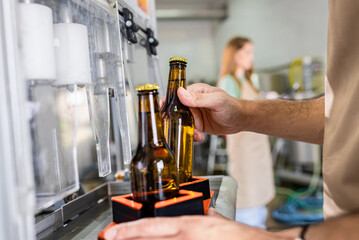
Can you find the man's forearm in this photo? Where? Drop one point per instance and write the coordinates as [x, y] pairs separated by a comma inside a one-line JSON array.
[[343, 227], [295, 120]]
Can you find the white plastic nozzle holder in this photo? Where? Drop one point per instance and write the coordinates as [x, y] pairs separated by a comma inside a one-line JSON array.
[[37, 42], [72, 54]]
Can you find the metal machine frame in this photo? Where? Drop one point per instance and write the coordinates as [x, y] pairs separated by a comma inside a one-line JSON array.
[[87, 215]]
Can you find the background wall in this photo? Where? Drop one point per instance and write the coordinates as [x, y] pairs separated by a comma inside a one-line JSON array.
[[281, 30], [194, 40]]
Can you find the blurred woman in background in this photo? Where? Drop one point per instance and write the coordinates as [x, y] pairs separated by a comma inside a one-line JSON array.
[[249, 154]]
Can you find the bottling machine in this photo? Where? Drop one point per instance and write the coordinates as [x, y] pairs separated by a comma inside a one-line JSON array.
[[68, 70]]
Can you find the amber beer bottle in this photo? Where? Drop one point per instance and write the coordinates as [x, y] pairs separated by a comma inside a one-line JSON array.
[[178, 120], [153, 171]]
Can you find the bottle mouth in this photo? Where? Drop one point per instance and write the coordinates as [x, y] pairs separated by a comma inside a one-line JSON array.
[[181, 64], [147, 87], [147, 92]]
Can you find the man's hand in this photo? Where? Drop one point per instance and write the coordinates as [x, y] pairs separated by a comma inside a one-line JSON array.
[[214, 111], [213, 226]]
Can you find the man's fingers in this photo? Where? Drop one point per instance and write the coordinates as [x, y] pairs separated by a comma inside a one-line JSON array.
[[198, 136], [203, 88], [111, 234], [148, 227], [198, 99], [196, 88], [212, 212], [161, 102]]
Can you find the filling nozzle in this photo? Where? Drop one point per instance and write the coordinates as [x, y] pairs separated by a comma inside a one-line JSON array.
[[106, 38], [101, 86], [99, 99], [101, 69], [99, 111], [65, 13], [102, 37]]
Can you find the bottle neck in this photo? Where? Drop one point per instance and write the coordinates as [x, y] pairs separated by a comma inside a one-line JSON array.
[[176, 79], [150, 123]]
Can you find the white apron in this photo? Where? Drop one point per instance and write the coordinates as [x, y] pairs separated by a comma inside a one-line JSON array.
[[250, 162]]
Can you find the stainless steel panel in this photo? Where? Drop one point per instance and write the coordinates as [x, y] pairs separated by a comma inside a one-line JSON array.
[[227, 196], [49, 224], [84, 202]]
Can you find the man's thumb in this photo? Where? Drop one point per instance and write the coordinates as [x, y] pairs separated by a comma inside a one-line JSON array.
[[194, 99], [212, 212]]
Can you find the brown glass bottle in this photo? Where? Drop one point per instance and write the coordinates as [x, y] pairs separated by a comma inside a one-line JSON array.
[[153, 173], [178, 120]]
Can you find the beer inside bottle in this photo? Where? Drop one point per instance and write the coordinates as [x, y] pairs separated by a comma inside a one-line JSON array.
[[178, 120], [153, 171]]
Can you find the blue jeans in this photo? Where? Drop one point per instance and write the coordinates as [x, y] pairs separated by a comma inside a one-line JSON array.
[[254, 216]]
